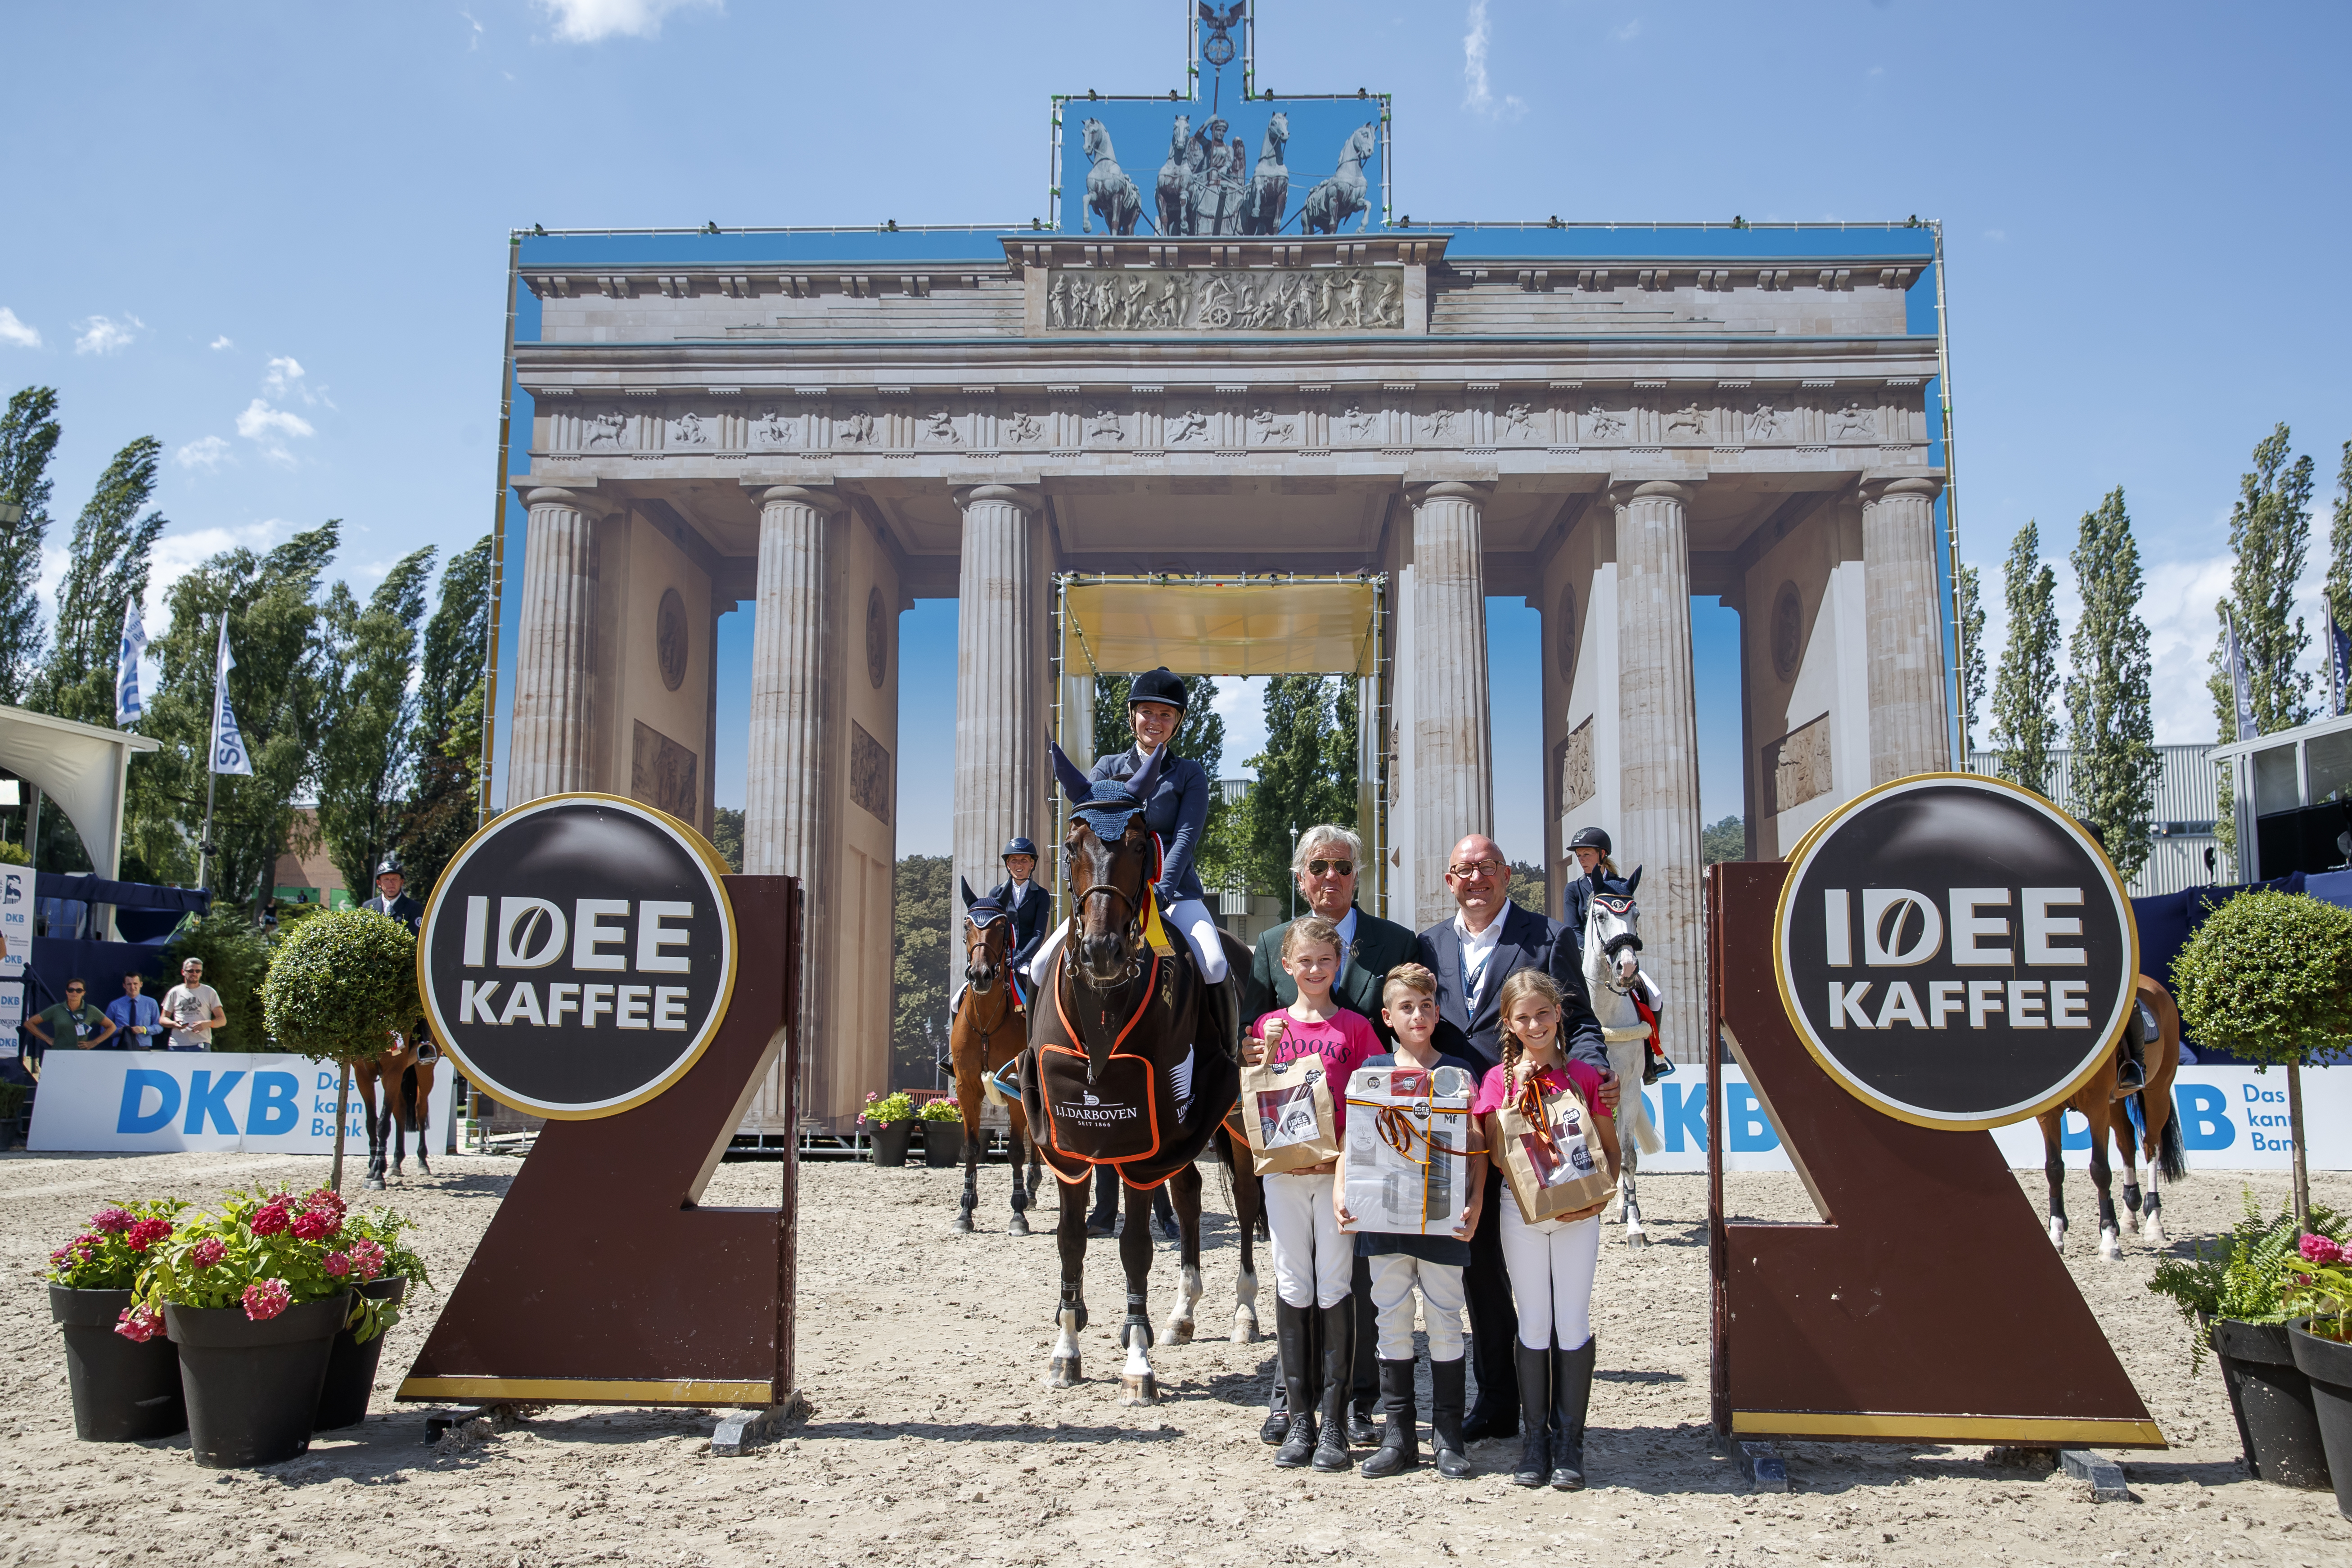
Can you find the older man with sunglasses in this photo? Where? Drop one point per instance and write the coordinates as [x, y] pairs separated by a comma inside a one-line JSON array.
[[1327, 862]]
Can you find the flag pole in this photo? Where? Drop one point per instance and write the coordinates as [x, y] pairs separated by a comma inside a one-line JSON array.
[[212, 779]]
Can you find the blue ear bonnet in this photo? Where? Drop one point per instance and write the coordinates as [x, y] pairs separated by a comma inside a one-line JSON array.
[[1109, 809], [985, 912]]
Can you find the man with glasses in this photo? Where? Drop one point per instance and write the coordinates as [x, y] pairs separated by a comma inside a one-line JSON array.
[[1327, 862], [193, 1009], [1472, 954]]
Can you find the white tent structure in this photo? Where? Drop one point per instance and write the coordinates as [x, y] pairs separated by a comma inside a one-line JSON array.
[[83, 767]]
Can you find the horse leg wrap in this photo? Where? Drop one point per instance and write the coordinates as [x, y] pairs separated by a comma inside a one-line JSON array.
[[966, 1201]]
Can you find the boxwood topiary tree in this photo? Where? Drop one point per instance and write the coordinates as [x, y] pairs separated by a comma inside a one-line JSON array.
[[338, 989], [2268, 977]]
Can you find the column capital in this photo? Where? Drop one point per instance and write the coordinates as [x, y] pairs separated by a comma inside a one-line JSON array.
[[587, 505], [1878, 484], [1030, 499], [1626, 491], [1476, 491], [817, 497]]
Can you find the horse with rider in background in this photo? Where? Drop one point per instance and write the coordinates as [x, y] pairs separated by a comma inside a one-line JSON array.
[[986, 1035], [2130, 1099]]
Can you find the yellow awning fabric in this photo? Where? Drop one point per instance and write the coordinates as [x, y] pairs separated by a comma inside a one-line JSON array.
[[1320, 627]]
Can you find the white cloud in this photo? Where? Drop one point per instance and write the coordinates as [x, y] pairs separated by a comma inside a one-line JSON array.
[[1626, 34], [177, 555], [208, 452], [588, 21], [269, 428], [222, 341], [13, 330], [475, 41], [1995, 234], [105, 335], [284, 371], [1477, 95]]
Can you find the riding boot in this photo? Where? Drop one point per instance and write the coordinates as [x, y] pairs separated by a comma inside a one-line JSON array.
[[2131, 1069], [1446, 1389], [1339, 1350], [1104, 1221], [1294, 1336], [1571, 1394], [1399, 1445], [1535, 1416]]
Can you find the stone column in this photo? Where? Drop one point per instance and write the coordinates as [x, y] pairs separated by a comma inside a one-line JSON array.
[[1453, 757], [1000, 735], [1909, 705], [792, 778], [1658, 746], [554, 676]]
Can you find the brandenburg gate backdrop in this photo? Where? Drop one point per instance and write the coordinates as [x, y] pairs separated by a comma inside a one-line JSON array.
[[821, 426]]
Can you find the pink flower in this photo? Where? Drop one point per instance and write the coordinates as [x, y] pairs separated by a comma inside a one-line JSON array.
[[265, 1299], [270, 1217], [366, 1258], [207, 1253], [2319, 1250], [317, 1224], [113, 1222], [139, 1323], [326, 1198], [147, 1233], [337, 1263], [74, 1251]]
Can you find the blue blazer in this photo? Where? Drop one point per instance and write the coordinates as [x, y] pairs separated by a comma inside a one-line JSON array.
[[1528, 941], [1030, 917], [1178, 811]]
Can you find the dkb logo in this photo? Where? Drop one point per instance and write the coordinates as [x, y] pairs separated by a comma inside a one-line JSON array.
[[151, 1099]]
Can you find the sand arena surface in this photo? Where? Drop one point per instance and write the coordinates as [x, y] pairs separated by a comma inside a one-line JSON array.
[[933, 1441]]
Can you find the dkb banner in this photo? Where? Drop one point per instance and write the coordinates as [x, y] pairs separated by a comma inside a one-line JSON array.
[[157, 1102]]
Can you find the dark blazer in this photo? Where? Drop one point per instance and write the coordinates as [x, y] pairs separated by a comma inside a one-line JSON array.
[[1528, 941], [403, 909], [1379, 946], [1030, 918], [1178, 811]]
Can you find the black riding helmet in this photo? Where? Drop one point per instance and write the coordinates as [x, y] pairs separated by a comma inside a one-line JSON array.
[[1158, 685], [1589, 839]]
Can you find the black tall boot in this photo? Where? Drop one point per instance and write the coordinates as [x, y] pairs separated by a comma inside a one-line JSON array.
[[1399, 1445], [1293, 1335], [1445, 1390], [1364, 1377], [1571, 1394], [1339, 1325], [1104, 1220], [1535, 1416]]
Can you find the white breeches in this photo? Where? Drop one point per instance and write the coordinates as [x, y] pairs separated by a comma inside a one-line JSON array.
[[1551, 1264], [1313, 1261], [1191, 918], [1394, 1274]]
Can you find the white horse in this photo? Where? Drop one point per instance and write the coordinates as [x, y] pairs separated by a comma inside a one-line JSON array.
[[1170, 191], [1342, 196], [1269, 192], [1109, 190], [1613, 945]]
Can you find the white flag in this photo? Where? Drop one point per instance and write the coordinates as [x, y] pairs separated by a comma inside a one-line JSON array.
[[228, 742], [127, 706], [2243, 699]]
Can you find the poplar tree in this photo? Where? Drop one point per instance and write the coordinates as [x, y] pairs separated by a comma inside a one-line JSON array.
[[2338, 590], [2107, 698], [368, 732], [28, 439], [2023, 724], [106, 568], [2270, 535], [1971, 656], [445, 808], [1306, 774]]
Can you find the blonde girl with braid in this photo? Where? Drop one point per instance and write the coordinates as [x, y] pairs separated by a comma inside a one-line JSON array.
[[1551, 1262]]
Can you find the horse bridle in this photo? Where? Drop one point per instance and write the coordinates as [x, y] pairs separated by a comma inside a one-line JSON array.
[[1619, 906], [985, 930], [1132, 930]]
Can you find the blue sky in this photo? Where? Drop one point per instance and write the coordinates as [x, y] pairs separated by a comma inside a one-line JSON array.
[[272, 235]]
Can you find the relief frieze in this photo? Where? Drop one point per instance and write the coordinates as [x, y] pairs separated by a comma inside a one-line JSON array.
[[1345, 299]]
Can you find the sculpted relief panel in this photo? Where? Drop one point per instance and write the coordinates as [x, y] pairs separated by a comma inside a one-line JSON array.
[[1346, 299]]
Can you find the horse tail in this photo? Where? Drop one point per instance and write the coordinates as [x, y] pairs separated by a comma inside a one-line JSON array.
[[1645, 1132], [2172, 1156]]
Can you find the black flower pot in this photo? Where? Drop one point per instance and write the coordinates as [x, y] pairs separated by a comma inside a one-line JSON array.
[[890, 1141], [2272, 1399], [350, 1366], [253, 1388], [942, 1144], [2328, 1363], [123, 1392]]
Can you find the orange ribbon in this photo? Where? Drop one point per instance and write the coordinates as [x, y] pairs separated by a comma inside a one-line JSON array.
[[1397, 1128]]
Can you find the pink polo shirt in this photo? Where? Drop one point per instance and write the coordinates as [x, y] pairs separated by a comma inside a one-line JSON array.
[[1345, 1041]]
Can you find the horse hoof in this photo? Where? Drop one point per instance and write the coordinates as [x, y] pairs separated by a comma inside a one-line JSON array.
[[1142, 1389], [2152, 1233], [2058, 1234], [2111, 1246], [1635, 1240], [373, 1184], [964, 1222], [1062, 1372], [1017, 1226], [1244, 1327], [1178, 1332]]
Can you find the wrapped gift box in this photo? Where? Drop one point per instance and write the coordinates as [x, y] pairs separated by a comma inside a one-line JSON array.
[[1409, 1137]]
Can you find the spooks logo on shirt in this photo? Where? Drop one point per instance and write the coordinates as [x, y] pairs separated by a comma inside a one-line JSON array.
[[1955, 950], [578, 954]]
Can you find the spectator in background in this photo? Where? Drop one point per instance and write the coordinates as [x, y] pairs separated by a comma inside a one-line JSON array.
[[193, 1009], [73, 1020], [138, 1017]]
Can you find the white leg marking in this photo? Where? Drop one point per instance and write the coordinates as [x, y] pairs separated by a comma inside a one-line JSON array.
[[1179, 1330], [1062, 1370], [2057, 1232], [2111, 1244], [1136, 1384], [1245, 1307]]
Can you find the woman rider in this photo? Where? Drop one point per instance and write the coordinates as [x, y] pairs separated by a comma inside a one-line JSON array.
[[1175, 795], [1590, 847]]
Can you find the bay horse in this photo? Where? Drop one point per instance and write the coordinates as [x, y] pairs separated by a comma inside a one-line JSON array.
[[2148, 1111], [1113, 1078], [406, 1080], [1612, 981], [990, 1030]]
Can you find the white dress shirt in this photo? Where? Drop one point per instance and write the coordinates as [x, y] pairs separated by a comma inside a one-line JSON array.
[[1477, 957], [1019, 891]]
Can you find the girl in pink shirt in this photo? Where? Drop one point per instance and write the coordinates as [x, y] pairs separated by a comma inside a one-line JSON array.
[[1313, 1260]]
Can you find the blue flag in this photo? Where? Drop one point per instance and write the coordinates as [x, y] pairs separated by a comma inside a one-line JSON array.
[[127, 706], [2339, 665], [2243, 702], [228, 741]]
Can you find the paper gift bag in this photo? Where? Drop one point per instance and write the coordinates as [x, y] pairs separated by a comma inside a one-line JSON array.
[[1287, 1112], [1408, 1145], [1551, 1155]]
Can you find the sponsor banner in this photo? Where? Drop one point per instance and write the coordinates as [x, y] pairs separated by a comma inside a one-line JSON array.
[[157, 1102], [2231, 1119], [16, 919], [12, 1014]]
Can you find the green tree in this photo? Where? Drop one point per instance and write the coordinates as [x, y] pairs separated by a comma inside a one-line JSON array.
[[2108, 699], [368, 734], [2023, 727], [1529, 888], [270, 600], [105, 569], [1972, 654], [1306, 774], [444, 806], [727, 836], [337, 986], [923, 918], [1724, 840], [2338, 589], [2270, 535], [28, 439]]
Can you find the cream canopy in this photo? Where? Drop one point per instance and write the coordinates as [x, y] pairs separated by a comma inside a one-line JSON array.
[[82, 767], [1207, 626]]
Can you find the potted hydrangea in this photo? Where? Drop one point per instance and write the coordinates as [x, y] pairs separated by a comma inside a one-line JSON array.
[[2319, 1289], [943, 1133], [382, 1268], [252, 1297], [891, 1119], [124, 1390]]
